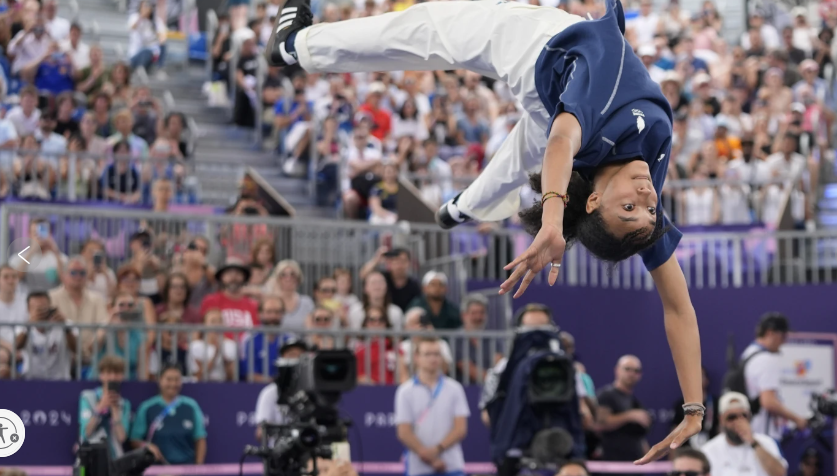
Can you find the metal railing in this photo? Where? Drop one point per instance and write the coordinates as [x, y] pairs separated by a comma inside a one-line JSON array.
[[204, 351], [710, 259]]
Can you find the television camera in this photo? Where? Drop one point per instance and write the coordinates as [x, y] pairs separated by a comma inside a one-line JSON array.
[[309, 390], [93, 459]]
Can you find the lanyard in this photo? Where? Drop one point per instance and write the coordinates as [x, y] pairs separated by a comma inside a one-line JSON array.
[[434, 394], [158, 420]]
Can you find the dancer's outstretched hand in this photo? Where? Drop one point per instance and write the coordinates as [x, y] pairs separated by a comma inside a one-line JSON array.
[[547, 248], [689, 427]]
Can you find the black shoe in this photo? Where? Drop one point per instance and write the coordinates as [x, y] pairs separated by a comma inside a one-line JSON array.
[[294, 16], [449, 215]]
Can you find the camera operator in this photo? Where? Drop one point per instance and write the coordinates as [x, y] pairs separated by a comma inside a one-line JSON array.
[[104, 416], [431, 414], [267, 408]]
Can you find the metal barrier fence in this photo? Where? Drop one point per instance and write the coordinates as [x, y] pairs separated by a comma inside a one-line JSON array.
[[217, 353], [709, 260]]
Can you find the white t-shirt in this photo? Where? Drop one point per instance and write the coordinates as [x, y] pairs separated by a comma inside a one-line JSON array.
[[728, 460], [357, 314], [46, 355], [24, 125], [762, 373], [58, 28], [644, 27], [80, 55], [12, 313], [699, 206], [200, 351], [267, 411], [144, 35]]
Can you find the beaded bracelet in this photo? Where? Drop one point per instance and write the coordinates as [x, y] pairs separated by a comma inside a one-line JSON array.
[[694, 409], [548, 195]]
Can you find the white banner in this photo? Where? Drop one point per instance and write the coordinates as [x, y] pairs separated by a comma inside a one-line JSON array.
[[807, 367]]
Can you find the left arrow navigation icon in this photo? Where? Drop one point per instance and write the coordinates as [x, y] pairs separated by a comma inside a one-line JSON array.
[[20, 255]]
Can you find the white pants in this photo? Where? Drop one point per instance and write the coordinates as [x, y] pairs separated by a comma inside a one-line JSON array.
[[496, 39]]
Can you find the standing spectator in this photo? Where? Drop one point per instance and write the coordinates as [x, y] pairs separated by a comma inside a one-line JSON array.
[[402, 287], [441, 311], [12, 306], [245, 84], [26, 116], [263, 348], [431, 414], [175, 297], [104, 416], [57, 27], [147, 38], [760, 360], [78, 304], [171, 425], [740, 449], [48, 349], [381, 118], [474, 356], [375, 294], [50, 261], [689, 461], [416, 320], [622, 419], [285, 282], [212, 356], [78, 50], [378, 350], [237, 310]]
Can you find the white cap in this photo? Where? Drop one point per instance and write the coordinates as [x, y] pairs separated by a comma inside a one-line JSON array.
[[701, 78], [377, 87], [798, 107], [433, 275], [647, 50], [733, 401]]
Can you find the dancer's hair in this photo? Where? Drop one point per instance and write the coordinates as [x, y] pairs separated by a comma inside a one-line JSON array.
[[589, 229]]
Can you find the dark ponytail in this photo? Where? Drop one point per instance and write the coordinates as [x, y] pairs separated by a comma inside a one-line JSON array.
[[589, 229]]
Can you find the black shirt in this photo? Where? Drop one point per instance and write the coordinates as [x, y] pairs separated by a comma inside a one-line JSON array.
[[401, 297], [66, 128], [625, 442], [126, 182]]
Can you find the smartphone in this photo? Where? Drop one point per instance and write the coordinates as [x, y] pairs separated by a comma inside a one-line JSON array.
[[98, 259], [43, 230], [341, 452], [51, 313], [114, 386], [131, 316]]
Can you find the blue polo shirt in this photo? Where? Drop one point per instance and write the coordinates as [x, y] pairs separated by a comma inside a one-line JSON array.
[[55, 75], [590, 71], [177, 431]]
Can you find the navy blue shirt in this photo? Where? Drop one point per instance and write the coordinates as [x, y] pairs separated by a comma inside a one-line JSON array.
[[590, 71], [262, 352]]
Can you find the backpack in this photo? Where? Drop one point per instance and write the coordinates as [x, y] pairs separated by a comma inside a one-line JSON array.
[[736, 381]]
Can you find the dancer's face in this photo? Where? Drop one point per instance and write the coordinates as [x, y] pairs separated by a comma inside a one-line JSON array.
[[625, 197]]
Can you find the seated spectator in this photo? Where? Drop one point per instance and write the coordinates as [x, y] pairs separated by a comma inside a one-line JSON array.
[[382, 197], [77, 303], [126, 344], [171, 425], [54, 73], [375, 354], [416, 320], [121, 181], [104, 416], [292, 122], [147, 38], [186, 189], [174, 298], [402, 287], [79, 51], [101, 115], [574, 468], [409, 122], [689, 460], [128, 280], [48, 350], [739, 449], [33, 176], [237, 310], [119, 87], [174, 347], [263, 348], [375, 294], [65, 125], [212, 357], [53, 145], [28, 48], [91, 78], [263, 254], [12, 306], [172, 131], [86, 175], [475, 356], [441, 312], [363, 158], [321, 319], [344, 294], [46, 274], [199, 273], [146, 111], [8, 138], [284, 282], [471, 126], [26, 115], [701, 205], [123, 122], [381, 118], [245, 84], [725, 143], [324, 290], [57, 27]]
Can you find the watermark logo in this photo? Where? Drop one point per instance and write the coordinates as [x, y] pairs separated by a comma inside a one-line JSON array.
[[12, 433]]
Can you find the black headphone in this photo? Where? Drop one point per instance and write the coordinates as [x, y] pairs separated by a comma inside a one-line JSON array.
[[532, 307]]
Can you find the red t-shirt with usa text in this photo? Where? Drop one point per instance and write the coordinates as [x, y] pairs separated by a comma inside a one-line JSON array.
[[242, 312]]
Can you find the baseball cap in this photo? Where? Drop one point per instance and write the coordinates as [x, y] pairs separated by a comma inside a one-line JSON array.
[[733, 401], [798, 107], [701, 78], [433, 275], [377, 87], [647, 50]]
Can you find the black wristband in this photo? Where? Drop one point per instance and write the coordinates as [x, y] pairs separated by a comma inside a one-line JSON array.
[[754, 444]]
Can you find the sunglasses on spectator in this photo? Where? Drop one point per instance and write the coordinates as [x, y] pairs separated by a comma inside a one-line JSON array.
[[322, 319], [78, 273], [195, 247], [735, 416], [685, 473]]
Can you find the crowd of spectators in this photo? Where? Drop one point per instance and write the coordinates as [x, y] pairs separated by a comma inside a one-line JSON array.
[[755, 114], [73, 127]]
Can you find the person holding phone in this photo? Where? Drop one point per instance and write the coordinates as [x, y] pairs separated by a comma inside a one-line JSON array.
[[48, 349], [49, 261], [103, 415], [100, 278], [125, 344], [149, 266]]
